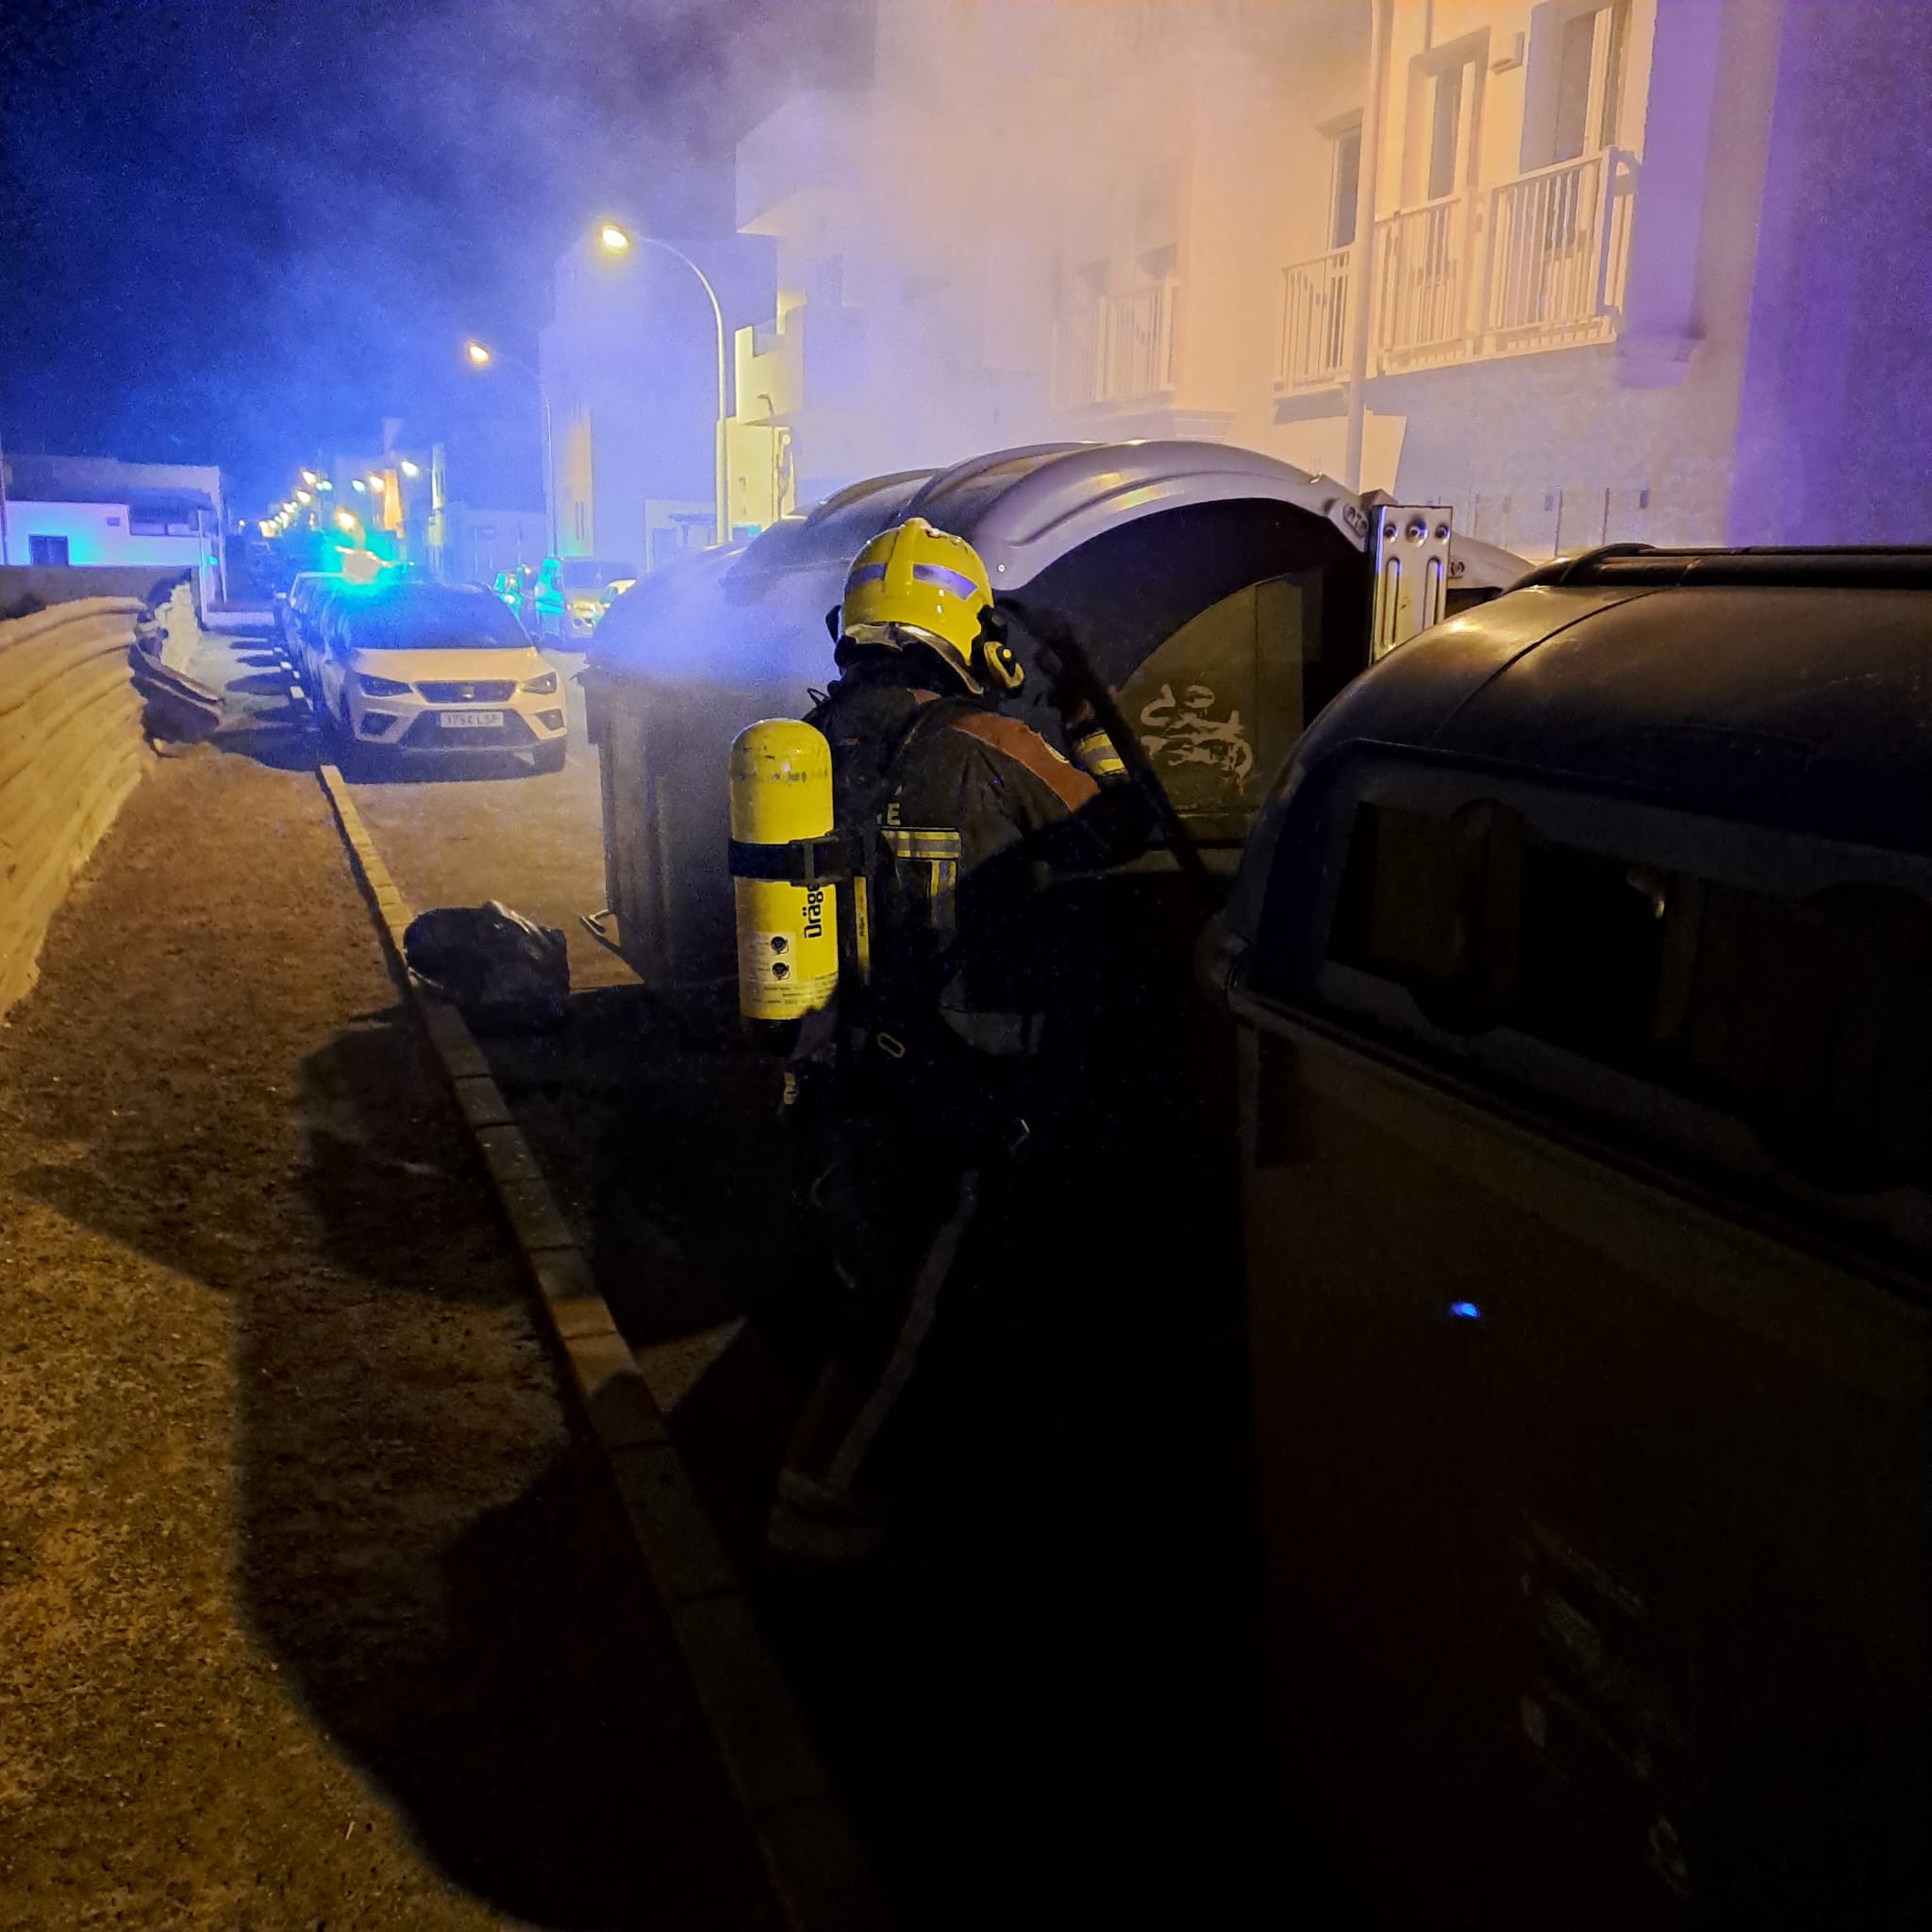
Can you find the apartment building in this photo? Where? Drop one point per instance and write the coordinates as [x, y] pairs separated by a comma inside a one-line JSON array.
[[1586, 270]]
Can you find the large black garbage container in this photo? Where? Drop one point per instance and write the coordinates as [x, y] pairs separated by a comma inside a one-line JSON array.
[[1582, 963]]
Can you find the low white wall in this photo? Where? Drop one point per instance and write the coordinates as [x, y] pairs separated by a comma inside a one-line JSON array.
[[71, 751]]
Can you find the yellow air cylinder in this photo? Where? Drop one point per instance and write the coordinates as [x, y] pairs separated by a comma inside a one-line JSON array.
[[788, 934]]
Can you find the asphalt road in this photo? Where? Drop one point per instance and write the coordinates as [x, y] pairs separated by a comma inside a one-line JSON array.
[[533, 840]]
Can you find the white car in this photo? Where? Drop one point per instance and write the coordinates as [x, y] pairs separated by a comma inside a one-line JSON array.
[[434, 672]]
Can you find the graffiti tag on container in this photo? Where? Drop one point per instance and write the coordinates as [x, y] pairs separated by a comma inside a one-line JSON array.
[[1184, 731]]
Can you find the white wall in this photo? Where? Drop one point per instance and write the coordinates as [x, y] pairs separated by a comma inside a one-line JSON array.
[[97, 533]]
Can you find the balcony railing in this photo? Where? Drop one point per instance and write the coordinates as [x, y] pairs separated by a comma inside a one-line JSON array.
[[1559, 246], [1534, 264], [1314, 322], [1422, 283], [1116, 348]]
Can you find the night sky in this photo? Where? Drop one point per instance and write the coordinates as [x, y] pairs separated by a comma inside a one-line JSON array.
[[243, 231]]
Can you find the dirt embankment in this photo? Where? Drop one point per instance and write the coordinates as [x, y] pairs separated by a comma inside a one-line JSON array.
[[312, 1610]]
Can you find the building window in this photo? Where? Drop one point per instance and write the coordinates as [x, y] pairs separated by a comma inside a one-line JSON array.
[[47, 549], [1444, 111], [1589, 80], [1344, 182], [159, 526], [1574, 105]]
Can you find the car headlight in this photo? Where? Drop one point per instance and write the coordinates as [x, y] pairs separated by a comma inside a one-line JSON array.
[[542, 686], [379, 687]]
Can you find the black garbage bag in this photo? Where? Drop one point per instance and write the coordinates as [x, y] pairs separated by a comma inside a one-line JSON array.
[[503, 970]]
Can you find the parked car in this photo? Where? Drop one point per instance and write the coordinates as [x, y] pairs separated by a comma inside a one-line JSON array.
[[434, 672], [296, 614], [1578, 962], [572, 593]]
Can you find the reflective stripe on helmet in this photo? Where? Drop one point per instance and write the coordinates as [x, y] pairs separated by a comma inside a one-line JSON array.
[[952, 580]]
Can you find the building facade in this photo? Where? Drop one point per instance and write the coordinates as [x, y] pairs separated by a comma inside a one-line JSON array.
[[94, 510], [1585, 270]]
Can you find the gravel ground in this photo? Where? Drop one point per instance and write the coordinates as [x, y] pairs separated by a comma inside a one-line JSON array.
[[313, 1610]]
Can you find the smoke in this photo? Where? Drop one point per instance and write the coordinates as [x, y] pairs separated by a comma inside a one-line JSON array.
[[1016, 162], [246, 230]]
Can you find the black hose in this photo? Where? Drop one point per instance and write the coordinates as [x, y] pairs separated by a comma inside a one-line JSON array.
[[1065, 660]]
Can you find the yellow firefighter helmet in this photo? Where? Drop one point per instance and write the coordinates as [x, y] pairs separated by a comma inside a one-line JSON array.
[[913, 585]]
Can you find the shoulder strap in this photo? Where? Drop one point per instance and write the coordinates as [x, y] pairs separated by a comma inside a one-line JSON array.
[[1007, 736]]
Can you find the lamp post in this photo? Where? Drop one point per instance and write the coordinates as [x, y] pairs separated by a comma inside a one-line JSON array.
[[1362, 260], [614, 239], [481, 356]]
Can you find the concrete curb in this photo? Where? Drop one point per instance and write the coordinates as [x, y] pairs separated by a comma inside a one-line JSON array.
[[812, 1858]]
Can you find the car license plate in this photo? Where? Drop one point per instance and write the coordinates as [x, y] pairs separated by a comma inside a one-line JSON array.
[[472, 721]]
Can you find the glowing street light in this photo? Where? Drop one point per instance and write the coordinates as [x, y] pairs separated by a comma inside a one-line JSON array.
[[346, 519], [410, 469], [323, 483], [377, 483], [357, 483], [483, 357], [304, 496], [614, 239], [309, 478]]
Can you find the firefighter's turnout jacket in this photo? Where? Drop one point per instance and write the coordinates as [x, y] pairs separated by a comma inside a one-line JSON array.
[[964, 808]]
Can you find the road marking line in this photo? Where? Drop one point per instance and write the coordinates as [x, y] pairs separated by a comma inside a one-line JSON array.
[[813, 1858]]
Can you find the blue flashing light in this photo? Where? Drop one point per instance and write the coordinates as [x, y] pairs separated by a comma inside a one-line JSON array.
[[1465, 1311]]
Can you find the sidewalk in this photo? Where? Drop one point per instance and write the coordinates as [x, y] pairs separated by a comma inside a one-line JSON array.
[[313, 1610]]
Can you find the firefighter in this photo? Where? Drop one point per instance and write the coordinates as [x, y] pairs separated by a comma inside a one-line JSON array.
[[917, 1099]]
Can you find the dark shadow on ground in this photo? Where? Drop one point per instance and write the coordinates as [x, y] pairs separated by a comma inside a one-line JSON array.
[[667, 1155], [1053, 1691], [1053, 1686], [259, 684], [371, 765], [516, 1690], [279, 739], [260, 660]]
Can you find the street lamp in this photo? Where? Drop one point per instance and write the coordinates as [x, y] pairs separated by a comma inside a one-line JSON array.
[[346, 519], [482, 358], [616, 240], [410, 469]]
